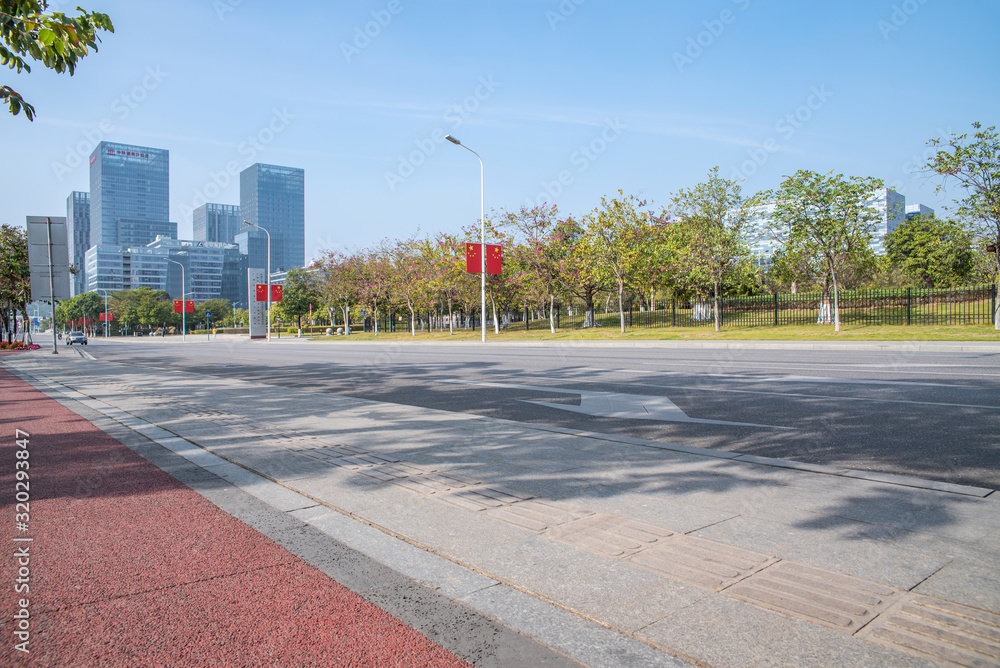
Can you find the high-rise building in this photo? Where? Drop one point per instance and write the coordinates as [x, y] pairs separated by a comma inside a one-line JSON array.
[[887, 203], [217, 222], [78, 236], [129, 194], [211, 269], [918, 210], [273, 197], [891, 208]]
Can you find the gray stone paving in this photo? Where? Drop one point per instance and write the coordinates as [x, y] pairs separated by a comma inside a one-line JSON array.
[[612, 550]]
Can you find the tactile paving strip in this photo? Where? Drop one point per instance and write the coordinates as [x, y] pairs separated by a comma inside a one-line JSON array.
[[835, 600], [538, 515], [609, 535], [941, 631], [702, 562], [483, 497]]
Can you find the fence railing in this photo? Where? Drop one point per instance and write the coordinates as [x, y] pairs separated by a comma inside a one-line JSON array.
[[903, 306]]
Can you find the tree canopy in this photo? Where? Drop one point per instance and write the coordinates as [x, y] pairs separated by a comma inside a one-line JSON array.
[[29, 30]]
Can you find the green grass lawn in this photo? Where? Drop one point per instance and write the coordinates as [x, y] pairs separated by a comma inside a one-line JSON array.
[[540, 332]]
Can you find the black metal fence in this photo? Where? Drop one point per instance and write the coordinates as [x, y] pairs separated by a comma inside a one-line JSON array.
[[903, 306]]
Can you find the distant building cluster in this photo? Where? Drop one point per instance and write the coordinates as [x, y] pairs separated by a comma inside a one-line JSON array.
[[121, 237], [890, 205]]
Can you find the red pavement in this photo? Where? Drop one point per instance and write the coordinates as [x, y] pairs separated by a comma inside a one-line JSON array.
[[129, 567]]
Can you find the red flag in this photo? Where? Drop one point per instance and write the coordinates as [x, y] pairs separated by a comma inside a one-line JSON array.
[[276, 293], [262, 292], [473, 261], [106, 317], [494, 259], [185, 305]]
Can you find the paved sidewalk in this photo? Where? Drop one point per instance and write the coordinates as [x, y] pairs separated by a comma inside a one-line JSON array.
[[611, 550], [113, 562]]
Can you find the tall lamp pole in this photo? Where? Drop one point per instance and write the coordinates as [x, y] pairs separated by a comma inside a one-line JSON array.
[[482, 228], [105, 310], [247, 222], [183, 301]]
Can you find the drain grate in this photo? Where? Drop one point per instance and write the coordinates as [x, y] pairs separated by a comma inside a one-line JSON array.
[[702, 562], [940, 630], [609, 535], [832, 599]]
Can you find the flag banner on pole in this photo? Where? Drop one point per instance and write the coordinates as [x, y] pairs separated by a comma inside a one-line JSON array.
[[473, 261], [106, 317], [262, 292], [276, 293], [183, 305], [494, 259]]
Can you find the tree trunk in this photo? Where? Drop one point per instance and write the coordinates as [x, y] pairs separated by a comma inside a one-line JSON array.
[[552, 315], [836, 302], [496, 321], [451, 319], [621, 304], [715, 285], [347, 320]]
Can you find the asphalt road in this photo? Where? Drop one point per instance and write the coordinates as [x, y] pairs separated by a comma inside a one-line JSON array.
[[933, 415]]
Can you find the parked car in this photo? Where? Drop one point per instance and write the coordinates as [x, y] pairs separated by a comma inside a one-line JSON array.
[[76, 337]]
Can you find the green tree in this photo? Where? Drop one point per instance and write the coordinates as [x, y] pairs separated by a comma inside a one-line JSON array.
[[826, 217], [29, 30], [974, 162], [614, 243], [932, 252], [574, 269], [15, 279], [299, 294], [219, 308], [713, 218]]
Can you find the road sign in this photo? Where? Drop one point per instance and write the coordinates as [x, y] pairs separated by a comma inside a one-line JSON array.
[[48, 258]]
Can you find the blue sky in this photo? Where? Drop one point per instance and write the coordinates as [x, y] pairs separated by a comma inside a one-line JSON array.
[[567, 101]]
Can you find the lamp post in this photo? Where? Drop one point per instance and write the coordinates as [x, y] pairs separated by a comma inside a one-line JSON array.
[[183, 301], [247, 222], [105, 310], [482, 228]]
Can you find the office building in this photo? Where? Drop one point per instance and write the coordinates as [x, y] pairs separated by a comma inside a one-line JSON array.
[[253, 244], [78, 236], [129, 188], [889, 205], [918, 210], [211, 269], [891, 209], [273, 197], [217, 222]]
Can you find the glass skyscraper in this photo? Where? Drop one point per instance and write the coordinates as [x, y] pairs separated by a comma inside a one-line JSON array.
[[217, 222], [78, 235], [273, 197], [129, 194]]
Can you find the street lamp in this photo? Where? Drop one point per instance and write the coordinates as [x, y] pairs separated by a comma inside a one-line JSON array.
[[247, 222], [482, 227], [183, 301], [105, 310]]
